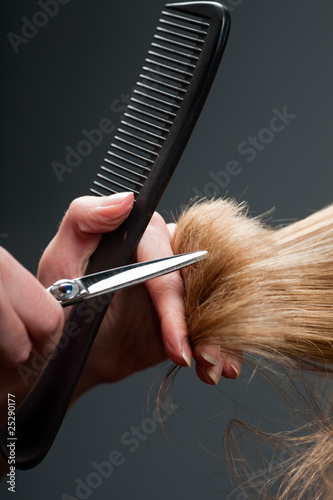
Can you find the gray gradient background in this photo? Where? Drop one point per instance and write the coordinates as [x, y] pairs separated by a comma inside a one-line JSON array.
[[64, 80]]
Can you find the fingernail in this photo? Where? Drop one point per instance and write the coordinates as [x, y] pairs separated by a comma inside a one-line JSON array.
[[212, 376], [210, 359], [187, 352], [114, 199], [187, 360], [234, 369]]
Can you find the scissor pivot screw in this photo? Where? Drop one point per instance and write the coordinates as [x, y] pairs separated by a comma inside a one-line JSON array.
[[65, 289]]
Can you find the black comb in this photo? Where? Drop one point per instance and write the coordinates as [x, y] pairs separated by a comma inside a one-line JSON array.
[[166, 102]]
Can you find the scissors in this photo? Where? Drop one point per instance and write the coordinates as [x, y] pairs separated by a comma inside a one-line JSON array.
[[71, 291]]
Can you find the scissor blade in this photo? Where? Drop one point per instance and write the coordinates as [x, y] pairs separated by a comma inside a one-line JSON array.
[[122, 277]]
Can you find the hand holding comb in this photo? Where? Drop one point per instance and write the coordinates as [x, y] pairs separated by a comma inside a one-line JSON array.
[[168, 97]]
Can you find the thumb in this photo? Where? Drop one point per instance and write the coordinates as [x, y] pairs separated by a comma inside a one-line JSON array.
[[80, 232], [95, 215]]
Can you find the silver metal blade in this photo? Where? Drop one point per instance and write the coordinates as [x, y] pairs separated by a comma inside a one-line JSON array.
[[69, 292], [138, 273]]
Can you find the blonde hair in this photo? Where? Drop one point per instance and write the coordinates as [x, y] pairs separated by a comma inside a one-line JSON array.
[[268, 292]]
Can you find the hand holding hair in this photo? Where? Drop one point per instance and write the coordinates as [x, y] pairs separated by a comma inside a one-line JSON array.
[[268, 293], [265, 291], [149, 319]]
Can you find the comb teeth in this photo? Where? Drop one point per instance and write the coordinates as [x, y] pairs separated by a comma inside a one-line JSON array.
[[156, 99]]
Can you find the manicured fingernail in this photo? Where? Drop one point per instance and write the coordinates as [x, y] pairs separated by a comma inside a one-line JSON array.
[[210, 359], [234, 369], [212, 376], [187, 352], [187, 360], [114, 199]]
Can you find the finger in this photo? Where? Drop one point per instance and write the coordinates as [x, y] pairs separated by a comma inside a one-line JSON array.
[[95, 215], [15, 345], [80, 232], [232, 366], [210, 375], [40, 314], [209, 355], [171, 228], [166, 293]]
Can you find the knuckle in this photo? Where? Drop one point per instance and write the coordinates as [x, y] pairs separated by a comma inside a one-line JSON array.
[[2, 255], [49, 324], [21, 355], [157, 221], [171, 228], [174, 283], [73, 211], [170, 286], [44, 262], [17, 355], [75, 205], [80, 216], [6, 260], [79, 204], [53, 320]]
